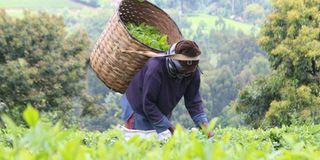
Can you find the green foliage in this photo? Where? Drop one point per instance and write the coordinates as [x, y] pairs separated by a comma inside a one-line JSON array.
[[31, 115], [92, 21], [253, 11], [291, 37], [258, 66], [238, 51], [47, 141], [229, 117], [221, 90], [276, 100], [111, 114], [40, 63], [254, 99], [291, 95], [297, 106], [149, 35]]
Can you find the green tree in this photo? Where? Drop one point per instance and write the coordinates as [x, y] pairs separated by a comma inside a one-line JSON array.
[[291, 37], [253, 12], [40, 63], [239, 51], [291, 95], [110, 114], [258, 66], [93, 23], [221, 88], [254, 100]]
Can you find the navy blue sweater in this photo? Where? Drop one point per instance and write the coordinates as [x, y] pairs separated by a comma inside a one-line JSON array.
[[154, 94]]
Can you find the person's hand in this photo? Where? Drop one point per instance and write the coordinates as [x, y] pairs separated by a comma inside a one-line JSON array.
[[172, 128], [204, 128], [210, 134]]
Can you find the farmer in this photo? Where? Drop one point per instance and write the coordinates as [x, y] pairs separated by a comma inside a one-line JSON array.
[[157, 88]]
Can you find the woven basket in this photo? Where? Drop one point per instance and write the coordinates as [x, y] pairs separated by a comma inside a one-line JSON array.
[[117, 55]]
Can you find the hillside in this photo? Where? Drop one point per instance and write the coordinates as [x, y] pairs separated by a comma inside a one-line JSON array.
[[16, 7], [210, 21], [40, 4]]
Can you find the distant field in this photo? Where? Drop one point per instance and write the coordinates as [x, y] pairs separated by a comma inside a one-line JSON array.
[[15, 12], [210, 20], [40, 4]]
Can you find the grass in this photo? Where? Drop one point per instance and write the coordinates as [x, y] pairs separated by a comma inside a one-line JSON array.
[[210, 20], [40, 4]]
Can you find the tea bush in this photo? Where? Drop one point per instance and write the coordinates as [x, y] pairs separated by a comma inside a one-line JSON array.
[[46, 141]]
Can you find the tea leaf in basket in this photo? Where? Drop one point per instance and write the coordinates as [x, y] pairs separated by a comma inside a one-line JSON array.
[[149, 35]]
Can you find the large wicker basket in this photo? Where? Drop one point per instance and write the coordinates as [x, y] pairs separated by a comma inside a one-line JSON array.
[[111, 59]]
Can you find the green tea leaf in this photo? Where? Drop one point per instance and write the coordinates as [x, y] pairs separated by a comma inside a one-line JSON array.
[[212, 124], [31, 116], [8, 122], [149, 35]]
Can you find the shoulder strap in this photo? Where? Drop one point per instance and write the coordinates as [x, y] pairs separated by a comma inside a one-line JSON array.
[[153, 54]]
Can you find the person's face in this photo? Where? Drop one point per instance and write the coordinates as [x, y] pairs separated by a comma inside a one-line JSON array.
[[186, 67]]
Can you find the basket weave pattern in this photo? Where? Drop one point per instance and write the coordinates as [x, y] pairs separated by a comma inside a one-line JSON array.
[[109, 59]]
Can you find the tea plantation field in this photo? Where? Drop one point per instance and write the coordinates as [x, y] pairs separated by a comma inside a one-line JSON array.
[[45, 141], [209, 21]]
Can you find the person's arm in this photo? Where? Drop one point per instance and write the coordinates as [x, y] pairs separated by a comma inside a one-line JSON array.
[[194, 105], [151, 87], [193, 101]]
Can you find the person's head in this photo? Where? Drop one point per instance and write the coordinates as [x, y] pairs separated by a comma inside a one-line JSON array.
[[188, 49]]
